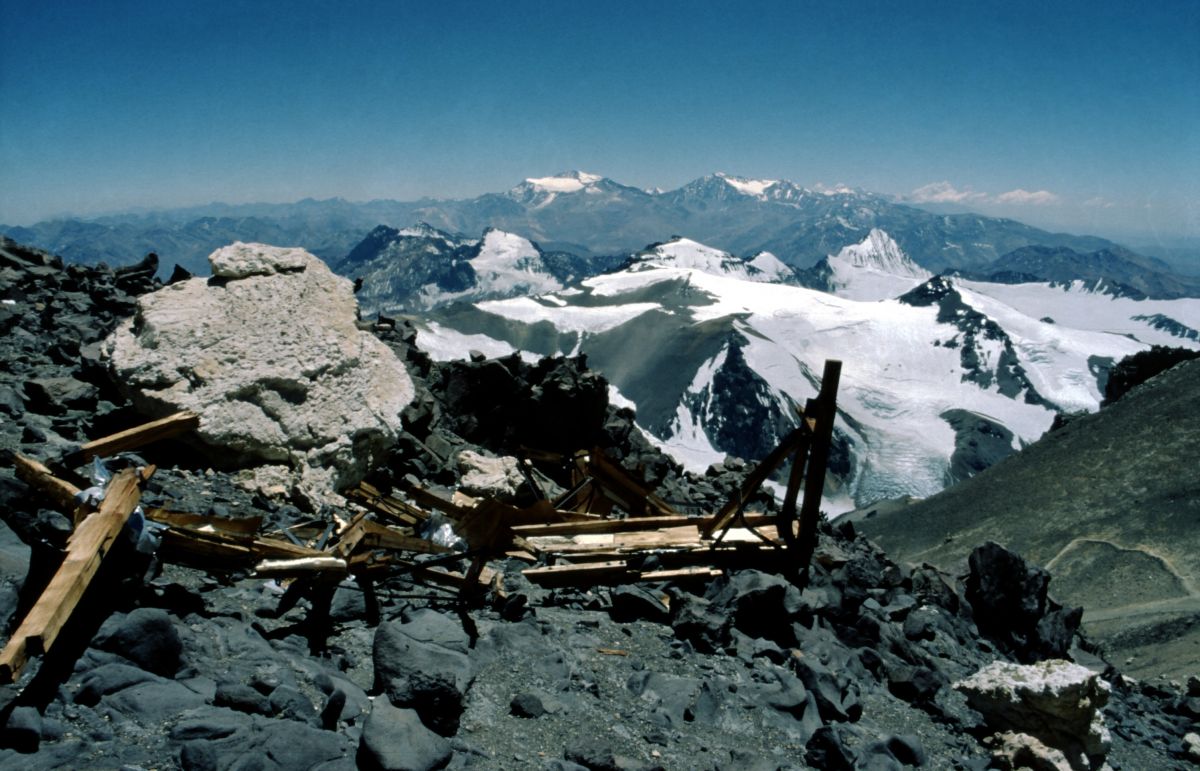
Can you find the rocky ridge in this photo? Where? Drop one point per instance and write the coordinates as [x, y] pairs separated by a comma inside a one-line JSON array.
[[196, 672]]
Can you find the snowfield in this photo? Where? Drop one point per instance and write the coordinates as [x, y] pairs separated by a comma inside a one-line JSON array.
[[1011, 354]]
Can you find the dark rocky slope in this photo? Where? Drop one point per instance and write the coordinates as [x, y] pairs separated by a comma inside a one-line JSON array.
[[1109, 503], [195, 671]]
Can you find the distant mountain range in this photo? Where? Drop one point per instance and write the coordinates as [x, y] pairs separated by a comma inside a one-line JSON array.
[[587, 215]]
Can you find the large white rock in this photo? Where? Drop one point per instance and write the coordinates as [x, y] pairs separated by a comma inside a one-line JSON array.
[[1049, 710], [268, 353]]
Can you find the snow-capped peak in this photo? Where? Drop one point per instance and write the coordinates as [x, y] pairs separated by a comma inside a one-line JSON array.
[[424, 230], [838, 189], [879, 251], [566, 182], [692, 255], [756, 188]]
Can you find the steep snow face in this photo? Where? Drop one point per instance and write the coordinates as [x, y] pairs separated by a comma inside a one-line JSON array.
[[876, 268], [879, 251], [772, 268], [685, 253], [508, 263], [661, 331]]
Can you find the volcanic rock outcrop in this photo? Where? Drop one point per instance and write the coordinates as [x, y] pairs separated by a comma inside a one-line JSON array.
[[268, 353]]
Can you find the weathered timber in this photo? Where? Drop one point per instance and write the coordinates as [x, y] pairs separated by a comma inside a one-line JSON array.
[[132, 438], [631, 524], [38, 476], [432, 500], [617, 572], [204, 523], [303, 566], [378, 564], [627, 493], [814, 483], [793, 442], [368, 496], [86, 549], [363, 534]]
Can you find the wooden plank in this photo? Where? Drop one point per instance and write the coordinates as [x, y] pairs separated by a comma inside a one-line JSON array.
[[377, 536], [595, 572], [631, 495], [40, 478], [591, 527], [133, 438], [370, 497], [202, 522], [205, 551], [679, 574], [631, 524], [86, 549], [302, 566], [431, 500]]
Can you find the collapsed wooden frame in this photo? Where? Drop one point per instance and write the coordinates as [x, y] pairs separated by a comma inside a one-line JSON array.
[[571, 540]]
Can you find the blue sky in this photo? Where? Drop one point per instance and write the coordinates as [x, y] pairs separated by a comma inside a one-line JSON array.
[[1084, 116]]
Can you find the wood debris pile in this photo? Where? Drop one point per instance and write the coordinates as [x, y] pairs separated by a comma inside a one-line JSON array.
[[606, 528]]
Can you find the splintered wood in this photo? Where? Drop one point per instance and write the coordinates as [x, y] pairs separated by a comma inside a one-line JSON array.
[[86, 549], [572, 540]]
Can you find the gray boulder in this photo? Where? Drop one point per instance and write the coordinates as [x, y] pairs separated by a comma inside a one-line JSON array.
[[421, 663], [267, 351], [394, 739]]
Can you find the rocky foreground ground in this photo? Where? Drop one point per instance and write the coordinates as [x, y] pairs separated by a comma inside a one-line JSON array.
[[873, 665]]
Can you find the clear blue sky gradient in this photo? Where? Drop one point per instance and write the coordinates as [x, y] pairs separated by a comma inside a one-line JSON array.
[[120, 104]]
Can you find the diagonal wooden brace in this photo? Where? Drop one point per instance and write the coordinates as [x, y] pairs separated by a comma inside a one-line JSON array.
[[86, 549]]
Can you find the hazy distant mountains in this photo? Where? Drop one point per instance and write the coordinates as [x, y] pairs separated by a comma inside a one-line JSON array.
[[1119, 269], [578, 213]]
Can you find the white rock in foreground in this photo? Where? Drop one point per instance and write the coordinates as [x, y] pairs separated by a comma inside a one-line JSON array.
[[1047, 715], [268, 353]]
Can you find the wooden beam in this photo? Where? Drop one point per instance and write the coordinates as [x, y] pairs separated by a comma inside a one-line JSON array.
[[368, 496], [86, 549], [38, 476], [132, 438], [624, 490], [302, 566], [814, 482], [202, 523]]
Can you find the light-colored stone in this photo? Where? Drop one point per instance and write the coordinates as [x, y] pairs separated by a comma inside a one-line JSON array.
[[1055, 703], [1021, 751], [269, 355], [1191, 745], [240, 260], [485, 477]]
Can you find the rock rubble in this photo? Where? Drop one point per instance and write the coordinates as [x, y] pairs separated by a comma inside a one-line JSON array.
[[745, 671]]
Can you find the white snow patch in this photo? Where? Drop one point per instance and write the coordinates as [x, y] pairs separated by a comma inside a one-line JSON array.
[[569, 182], [756, 188], [445, 344], [508, 263], [580, 319]]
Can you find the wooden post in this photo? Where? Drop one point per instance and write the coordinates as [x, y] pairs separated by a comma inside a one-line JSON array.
[[86, 549], [814, 483]]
